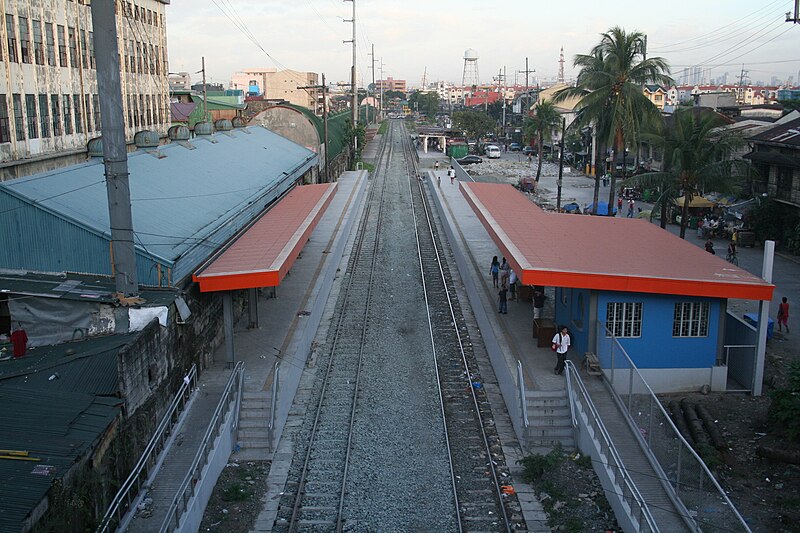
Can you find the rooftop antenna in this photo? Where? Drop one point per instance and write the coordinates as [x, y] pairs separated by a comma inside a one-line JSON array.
[[561, 66]]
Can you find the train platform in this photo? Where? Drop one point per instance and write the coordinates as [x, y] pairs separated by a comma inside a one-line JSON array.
[[289, 316]]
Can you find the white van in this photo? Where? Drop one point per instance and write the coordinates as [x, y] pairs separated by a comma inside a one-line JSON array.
[[493, 152]]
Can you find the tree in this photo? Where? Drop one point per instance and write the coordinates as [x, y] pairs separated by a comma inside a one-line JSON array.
[[610, 89], [475, 124], [696, 156], [425, 103], [356, 139], [540, 125], [400, 95]]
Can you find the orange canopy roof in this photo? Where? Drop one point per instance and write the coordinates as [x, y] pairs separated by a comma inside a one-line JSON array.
[[615, 254], [264, 253]]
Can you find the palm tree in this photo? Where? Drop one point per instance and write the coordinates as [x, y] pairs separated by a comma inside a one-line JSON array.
[[540, 124], [696, 156], [610, 87]]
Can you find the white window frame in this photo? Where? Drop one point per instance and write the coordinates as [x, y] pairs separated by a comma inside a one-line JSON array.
[[624, 319], [691, 319]]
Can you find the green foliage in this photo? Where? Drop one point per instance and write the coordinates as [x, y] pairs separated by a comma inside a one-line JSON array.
[[360, 133], [789, 105], [384, 127], [778, 222], [784, 410], [474, 123], [710, 456], [400, 95], [535, 465], [584, 461], [237, 492], [425, 103], [544, 118]]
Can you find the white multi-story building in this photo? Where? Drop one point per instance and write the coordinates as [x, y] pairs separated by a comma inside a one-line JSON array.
[[49, 105], [275, 84]]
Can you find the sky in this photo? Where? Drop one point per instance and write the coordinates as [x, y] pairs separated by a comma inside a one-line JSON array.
[[416, 38]]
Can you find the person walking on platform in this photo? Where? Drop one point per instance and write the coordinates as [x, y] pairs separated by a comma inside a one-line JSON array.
[[436, 166], [512, 284], [561, 343], [452, 173], [783, 314], [504, 268], [494, 270], [538, 303], [502, 297]]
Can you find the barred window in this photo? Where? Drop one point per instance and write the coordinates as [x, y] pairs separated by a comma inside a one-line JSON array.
[[5, 131], [38, 43], [24, 40], [76, 99], [55, 113], [67, 114], [624, 319], [44, 116], [30, 112], [19, 121], [691, 319], [98, 123], [87, 106], [92, 61], [62, 46], [84, 50], [75, 61], [51, 44], [12, 38]]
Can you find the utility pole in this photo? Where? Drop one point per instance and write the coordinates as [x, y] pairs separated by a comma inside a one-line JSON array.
[[740, 92], [353, 74], [527, 71], [324, 88], [561, 163], [505, 90], [372, 67], [381, 102], [115, 153], [205, 91]]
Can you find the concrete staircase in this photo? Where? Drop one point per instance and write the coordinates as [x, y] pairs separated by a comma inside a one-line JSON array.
[[549, 423], [253, 420]]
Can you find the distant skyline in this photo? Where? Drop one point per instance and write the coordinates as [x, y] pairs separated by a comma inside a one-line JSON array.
[[414, 36]]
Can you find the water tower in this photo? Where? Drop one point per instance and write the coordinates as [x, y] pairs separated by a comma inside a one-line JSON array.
[[470, 76]]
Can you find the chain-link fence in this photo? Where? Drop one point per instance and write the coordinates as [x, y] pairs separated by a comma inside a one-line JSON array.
[[681, 467]]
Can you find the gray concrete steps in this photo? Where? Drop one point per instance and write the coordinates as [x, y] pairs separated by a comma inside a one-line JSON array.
[[253, 437], [549, 422]]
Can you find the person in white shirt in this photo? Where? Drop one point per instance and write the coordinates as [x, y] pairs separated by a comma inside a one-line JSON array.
[[561, 342]]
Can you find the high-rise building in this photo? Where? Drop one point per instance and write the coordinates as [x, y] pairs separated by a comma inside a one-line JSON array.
[[274, 84], [49, 106], [390, 84]]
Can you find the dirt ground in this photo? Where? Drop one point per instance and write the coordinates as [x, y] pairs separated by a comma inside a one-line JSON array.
[[766, 493], [237, 499]]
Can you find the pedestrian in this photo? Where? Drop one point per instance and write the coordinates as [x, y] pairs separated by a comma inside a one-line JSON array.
[[504, 268], [619, 204], [700, 232], [512, 284], [494, 270], [538, 303], [452, 173], [19, 339], [631, 205], [561, 343], [783, 314], [710, 247], [502, 299], [436, 166]]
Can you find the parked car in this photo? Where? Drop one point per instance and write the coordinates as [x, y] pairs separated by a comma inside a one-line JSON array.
[[528, 150], [493, 152], [514, 147], [469, 160]]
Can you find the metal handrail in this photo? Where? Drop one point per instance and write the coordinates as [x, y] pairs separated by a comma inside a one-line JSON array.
[[614, 460], [193, 476], [671, 424], [134, 478], [273, 405], [522, 396]]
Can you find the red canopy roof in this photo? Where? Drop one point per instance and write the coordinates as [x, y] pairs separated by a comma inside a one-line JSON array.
[[264, 253], [615, 254]]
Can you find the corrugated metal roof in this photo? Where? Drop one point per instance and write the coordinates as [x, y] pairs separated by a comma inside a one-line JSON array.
[[88, 366], [185, 202], [56, 427]]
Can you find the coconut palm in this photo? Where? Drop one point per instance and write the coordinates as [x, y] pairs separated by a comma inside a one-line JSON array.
[[610, 87], [540, 125], [696, 156]]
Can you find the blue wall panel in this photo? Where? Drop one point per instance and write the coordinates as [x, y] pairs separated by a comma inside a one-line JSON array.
[[572, 310]]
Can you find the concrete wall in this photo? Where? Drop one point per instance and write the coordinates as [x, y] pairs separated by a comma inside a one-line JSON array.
[[657, 348], [741, 361], [572, 310]]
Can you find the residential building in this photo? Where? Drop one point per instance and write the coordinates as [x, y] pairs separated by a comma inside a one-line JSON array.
[[776, 157], [273, 84], [789, 94], [180, 81], [390, 84], [656, 94], [49, 102]]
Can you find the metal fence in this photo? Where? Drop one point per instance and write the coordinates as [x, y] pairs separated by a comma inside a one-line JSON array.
[[582, 409], [231, 399], [682, 470], [273, 405], [149, 460]]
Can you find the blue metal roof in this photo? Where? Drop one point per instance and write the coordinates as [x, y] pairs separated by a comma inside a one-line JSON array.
[[185, 203]]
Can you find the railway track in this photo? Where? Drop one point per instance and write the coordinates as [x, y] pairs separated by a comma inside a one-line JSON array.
[[479, 475], [314, 501]]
